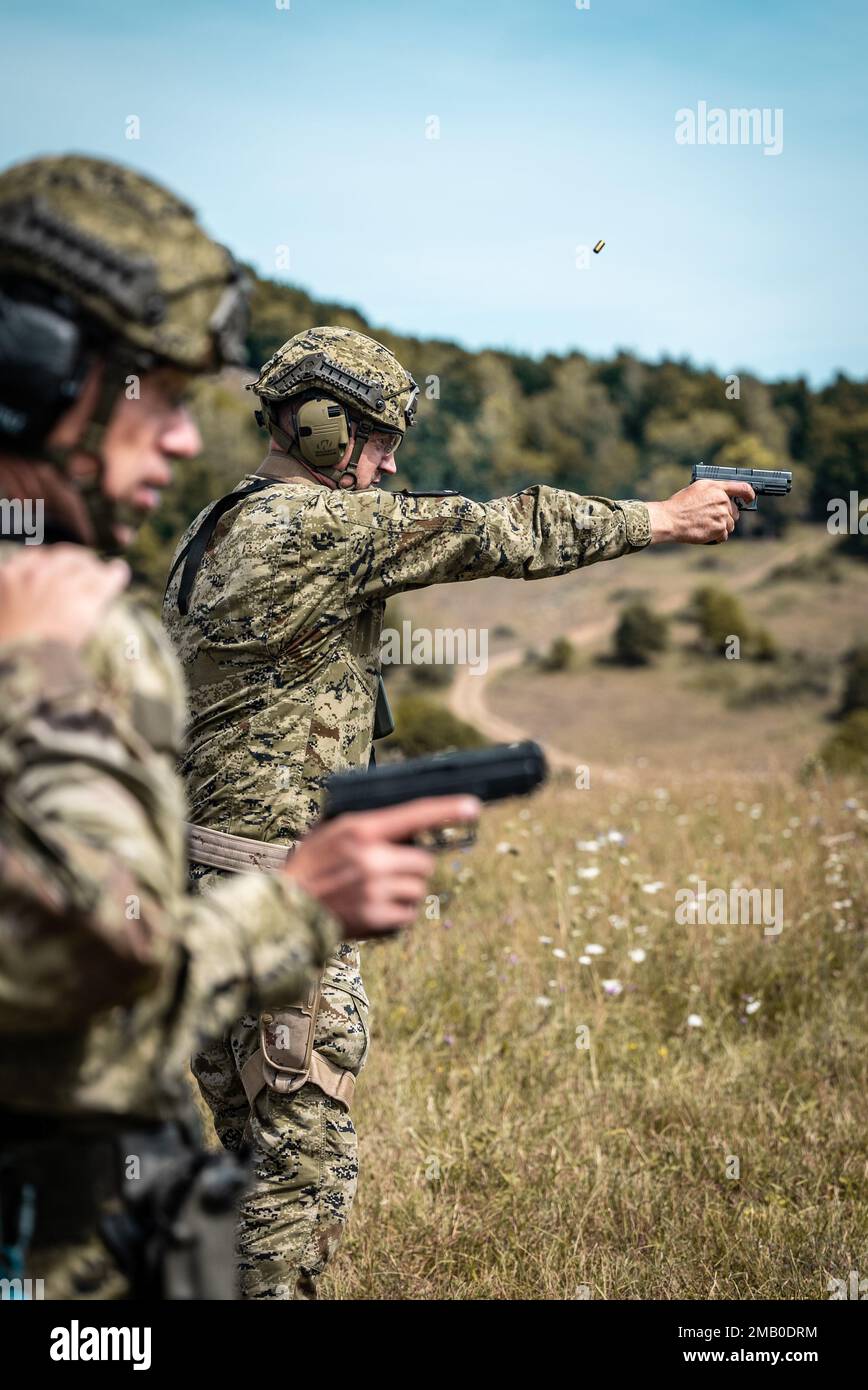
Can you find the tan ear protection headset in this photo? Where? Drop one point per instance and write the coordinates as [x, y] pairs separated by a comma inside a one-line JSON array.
[[322, 432]]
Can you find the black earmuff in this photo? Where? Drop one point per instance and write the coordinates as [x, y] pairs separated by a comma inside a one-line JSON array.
[[43, 364]]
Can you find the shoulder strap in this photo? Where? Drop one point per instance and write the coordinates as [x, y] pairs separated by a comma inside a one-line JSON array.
[[194, 551]]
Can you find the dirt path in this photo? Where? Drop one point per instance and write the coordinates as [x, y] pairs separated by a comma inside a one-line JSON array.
[[467, 694]]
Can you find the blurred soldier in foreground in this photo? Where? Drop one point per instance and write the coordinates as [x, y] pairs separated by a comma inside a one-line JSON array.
[[111, 298], [275, 604]]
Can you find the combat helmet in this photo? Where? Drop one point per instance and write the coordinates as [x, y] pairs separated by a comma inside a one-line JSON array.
[[99, 262], [334, 378]]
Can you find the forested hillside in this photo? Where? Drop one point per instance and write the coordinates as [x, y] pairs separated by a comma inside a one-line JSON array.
[[492, 422]]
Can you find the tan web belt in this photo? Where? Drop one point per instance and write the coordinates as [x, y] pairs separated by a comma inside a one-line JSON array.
[[238, 854]]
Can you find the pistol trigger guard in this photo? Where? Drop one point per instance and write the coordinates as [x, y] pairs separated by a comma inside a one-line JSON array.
[[441, 840]]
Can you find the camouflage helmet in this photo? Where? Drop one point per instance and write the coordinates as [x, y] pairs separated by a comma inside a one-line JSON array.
[[130, 257], [349, 367]]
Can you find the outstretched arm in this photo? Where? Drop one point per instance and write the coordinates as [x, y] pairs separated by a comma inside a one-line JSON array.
[[401, 541], [404, 542]]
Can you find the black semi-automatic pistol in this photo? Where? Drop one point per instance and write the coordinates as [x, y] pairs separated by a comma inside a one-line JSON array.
[[766, 482], [507, 769]]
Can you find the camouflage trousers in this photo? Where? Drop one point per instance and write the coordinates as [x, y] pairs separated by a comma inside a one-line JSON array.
[[305, 1152]]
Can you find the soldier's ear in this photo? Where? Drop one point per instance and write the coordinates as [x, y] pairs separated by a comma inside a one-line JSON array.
[[286, 420]]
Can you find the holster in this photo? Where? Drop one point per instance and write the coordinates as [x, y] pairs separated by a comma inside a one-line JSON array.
[[286, 1040], [285, 1059]]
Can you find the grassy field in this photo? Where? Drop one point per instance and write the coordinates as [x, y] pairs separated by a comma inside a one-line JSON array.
[[503, 1158], [571, 1092]]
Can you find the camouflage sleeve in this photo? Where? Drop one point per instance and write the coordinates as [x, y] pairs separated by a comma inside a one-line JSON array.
[[32, 673], [94, 907], [405, 541], [59, 947], [251, 941]]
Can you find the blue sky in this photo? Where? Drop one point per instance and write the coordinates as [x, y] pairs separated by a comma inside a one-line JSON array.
[[306, 127]]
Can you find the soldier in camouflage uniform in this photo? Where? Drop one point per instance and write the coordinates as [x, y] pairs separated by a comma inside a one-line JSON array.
[[275, 605], [109, 968]]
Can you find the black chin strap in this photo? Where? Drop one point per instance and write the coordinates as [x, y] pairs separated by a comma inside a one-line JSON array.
[[193, 552], [364, 430]]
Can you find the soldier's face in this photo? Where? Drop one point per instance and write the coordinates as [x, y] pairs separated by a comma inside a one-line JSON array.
[[376, 459], [149, 428]]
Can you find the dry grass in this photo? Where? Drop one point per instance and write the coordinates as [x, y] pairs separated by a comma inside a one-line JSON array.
[[502, 1161]]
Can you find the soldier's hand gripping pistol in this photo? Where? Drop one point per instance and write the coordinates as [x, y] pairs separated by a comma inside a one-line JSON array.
[[766, 482]]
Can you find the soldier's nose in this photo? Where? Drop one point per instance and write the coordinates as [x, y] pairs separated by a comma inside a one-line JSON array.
[[181, 439]]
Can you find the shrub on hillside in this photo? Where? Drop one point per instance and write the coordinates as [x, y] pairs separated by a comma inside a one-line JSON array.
[[811, 566], [432, 675], [855, 545], [796, 677], [640, 635], [855, 695], [720, 616], [561, 656], [761, 646], [847, 748], [423, 725]]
